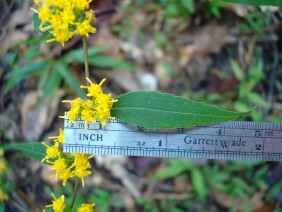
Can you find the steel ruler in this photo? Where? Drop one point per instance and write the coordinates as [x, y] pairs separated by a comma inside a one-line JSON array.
[[234, 140]]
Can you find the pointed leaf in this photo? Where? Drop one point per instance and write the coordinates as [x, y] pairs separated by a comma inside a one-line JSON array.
[[238, 72], [22, 73], [69, 78], [257, 2], [33, 149], [198, 183], [52, 84], [110, 63], [78, 54], [152, 109], [189, 5], [36, 22]]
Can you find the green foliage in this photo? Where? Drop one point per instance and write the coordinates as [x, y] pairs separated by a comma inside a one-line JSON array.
[[123, 29], [238, 179], [33, 149], [213, 8], [62, 69], [247, 83], [183, 167], [235, 179], [189, 5], [256, 21], [257, 2], [174, 168], [198, 183], [52, 72], [101, 198], [6, 184], [273, 191], [36, 21], [160, 110], [20, 73]]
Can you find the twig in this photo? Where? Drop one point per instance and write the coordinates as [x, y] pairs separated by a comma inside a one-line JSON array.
[[74, 192], [85, 50]]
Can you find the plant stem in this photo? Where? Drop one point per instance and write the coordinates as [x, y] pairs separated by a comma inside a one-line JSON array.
[[74, 192], [85, 49]]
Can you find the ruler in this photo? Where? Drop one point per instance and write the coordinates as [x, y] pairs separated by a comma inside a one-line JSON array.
[[234, 140]]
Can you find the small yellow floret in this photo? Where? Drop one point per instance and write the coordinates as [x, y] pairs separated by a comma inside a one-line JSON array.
[[58, 204], [59, 138], [86, 207], [51, 151], [3, 196], [3, 165], [81, 165]]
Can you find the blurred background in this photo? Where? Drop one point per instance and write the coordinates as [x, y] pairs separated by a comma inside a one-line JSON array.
[[229, 55]]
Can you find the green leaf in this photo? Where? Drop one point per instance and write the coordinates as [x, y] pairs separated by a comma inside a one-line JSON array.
[[78, 55], [52, 84], [36, 22], [33, 149], [43, 78], [98, 60], [152, 109], [69, 78], [175, 168], [257, 99], [273, 191], [198, 183], [221, 176], [22, 73], [110, 63], [257, 2], [189, 5], [239, 74], [240, 183]]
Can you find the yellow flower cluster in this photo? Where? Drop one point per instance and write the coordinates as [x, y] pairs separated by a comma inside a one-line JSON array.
[[97, 107], [64, 18], [58, 205], [66, 166], [3, 168]]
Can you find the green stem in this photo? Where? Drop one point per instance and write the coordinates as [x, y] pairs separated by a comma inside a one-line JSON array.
[[85, 49], [74, 192]]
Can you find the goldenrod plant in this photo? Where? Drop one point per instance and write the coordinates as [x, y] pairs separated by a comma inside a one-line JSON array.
[[149, 109]]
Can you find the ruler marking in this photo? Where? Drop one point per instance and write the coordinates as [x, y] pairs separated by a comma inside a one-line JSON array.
[[257, 145], [234, 125]]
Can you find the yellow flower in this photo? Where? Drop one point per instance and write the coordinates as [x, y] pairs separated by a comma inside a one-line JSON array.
[[104, 105], [64, 175], [93, 90], [61, 35], [3, 165], [74, 111], [72, 114], [99, 107], [81, 4], [51, 151], [59, 165], [84, 28], [86, 207], [58, 204], [59, 138], [88, 116], [81, 165], [65, 18], [3, 196]]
